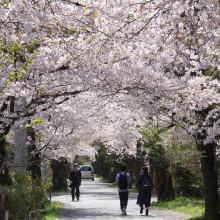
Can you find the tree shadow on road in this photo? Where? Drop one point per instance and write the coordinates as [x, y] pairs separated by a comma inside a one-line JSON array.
[[84, 213]]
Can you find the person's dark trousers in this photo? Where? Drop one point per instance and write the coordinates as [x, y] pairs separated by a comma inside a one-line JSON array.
[[73, 189], [123, 196]]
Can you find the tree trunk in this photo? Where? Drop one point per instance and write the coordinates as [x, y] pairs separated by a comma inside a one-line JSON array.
[[164, 185], [5, 178], [2, 204], [60, 174], [210, 181], [160, 167]]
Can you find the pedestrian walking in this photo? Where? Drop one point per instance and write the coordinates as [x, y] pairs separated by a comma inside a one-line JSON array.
[[123, 181], [144, 186], [75, 181]]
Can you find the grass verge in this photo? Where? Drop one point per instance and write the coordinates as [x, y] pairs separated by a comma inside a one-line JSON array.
[[193, 208], [52, 211]]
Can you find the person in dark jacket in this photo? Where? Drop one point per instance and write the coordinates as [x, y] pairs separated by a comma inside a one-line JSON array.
[[75, 181], [144, 186], [123, 188]]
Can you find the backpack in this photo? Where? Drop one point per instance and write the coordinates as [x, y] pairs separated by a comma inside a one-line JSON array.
[[123, 182], [145, 183]]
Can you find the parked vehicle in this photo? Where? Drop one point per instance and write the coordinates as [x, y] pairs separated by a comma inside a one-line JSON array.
[[87, 172]]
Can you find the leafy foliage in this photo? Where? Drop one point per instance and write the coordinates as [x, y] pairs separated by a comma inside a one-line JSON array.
[[26, 195], [52, 211], [105, 164]]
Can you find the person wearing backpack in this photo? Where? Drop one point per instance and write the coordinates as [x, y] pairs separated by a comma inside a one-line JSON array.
[[144, 186], [123, 181]]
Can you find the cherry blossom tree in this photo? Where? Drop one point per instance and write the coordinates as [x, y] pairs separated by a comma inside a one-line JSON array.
[[173, 48], [132, 59]]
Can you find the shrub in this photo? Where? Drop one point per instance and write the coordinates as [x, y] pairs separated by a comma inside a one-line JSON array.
[[26, 195]]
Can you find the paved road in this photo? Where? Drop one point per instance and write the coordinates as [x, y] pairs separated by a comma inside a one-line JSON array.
[[100, 201]]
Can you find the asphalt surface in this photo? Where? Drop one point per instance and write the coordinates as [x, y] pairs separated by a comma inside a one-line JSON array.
[[100, 201]]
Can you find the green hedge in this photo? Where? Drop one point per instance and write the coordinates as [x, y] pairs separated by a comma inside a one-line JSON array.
[[24, 196]]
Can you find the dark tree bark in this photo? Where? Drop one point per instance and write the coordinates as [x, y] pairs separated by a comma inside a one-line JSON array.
[[162, 177], [164, 185], [5, 178], [210, 180], [60, 174], [2, 204]]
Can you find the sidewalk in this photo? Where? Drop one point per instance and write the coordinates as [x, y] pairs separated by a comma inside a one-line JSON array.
[[100, 201]]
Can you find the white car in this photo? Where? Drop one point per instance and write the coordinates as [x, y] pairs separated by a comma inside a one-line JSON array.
[[87, 172]]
